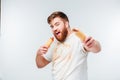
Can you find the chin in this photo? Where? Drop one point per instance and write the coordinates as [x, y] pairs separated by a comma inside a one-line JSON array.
[[61, 40]]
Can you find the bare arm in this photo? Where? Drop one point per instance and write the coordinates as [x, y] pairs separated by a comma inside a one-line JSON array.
[[92, 45], [40, 60], [89, 44]]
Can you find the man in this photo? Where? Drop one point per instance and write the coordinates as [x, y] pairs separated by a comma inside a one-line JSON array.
[[67, 54]]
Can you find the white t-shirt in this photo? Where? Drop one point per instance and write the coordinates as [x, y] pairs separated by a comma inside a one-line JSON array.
[[69, 59]]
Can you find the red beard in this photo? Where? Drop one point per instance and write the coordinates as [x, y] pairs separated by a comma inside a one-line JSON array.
[[61, 36]]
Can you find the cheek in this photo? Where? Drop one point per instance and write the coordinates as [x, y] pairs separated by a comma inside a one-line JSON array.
[[52, 31], [62, 27]]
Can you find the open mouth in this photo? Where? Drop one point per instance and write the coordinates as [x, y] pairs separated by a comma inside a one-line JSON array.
[[57, 33]]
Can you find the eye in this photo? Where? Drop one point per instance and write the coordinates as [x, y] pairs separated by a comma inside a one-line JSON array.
[[57, 24], [51, 26]]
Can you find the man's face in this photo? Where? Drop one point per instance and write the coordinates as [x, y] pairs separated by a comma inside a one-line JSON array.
[[59, 28]]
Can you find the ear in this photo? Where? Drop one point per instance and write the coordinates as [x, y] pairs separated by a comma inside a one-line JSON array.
[[66, 24]]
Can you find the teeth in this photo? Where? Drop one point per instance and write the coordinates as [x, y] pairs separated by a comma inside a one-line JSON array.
[[57, 32]]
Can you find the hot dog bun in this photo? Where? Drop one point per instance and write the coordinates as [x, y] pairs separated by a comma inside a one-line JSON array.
[[80, 34], [49, 42]]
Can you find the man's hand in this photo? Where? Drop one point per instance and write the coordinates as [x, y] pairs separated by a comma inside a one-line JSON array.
[[40, 60], [42, 50], [91, 45]]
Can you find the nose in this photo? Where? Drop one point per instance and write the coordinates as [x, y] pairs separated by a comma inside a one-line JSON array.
[[54, 28]]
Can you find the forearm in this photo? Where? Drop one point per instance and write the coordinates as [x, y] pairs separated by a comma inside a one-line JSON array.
[[40, 61]]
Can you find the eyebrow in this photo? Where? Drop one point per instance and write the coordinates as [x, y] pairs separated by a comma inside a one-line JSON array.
[[56, 23]]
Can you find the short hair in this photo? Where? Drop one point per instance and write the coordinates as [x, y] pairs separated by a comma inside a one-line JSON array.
[[57, 14]]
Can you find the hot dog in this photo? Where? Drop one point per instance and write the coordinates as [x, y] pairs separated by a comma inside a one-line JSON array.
[[80, 34], [49, 42]]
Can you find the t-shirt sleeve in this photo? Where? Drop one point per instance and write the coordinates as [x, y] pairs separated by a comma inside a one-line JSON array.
[[84, 51]]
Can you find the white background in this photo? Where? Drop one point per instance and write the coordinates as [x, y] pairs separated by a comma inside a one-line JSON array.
[[24, 28]]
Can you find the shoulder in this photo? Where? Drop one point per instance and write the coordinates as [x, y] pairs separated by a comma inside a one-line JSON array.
[[74, 40]]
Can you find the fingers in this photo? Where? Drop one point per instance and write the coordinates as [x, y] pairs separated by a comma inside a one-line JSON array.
[[89, 42], [42, 50]]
